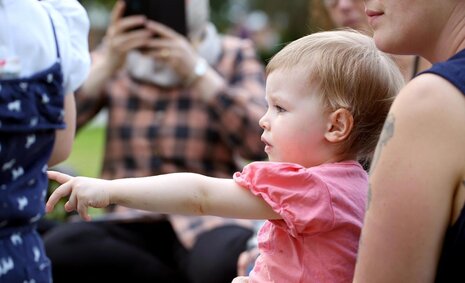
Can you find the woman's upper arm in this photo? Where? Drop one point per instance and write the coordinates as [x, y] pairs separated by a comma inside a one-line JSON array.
[[416, 170]]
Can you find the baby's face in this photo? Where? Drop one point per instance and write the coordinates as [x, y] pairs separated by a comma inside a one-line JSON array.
[[295, 122]]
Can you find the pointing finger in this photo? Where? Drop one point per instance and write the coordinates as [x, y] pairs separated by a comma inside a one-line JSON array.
[[58, 176], [60, 192]]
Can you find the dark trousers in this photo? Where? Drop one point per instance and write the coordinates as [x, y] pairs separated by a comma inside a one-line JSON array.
[[142, 252]]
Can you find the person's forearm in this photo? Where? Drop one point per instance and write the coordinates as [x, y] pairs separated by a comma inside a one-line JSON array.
[[90, 97], [183, 193], [209, 85], [189, 194], [100, 72]]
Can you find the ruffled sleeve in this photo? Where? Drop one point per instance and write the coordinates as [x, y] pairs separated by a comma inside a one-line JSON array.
[[296, 193], [72, 26]]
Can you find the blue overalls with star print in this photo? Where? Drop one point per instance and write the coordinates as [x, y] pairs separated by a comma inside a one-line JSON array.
[[31, 109]]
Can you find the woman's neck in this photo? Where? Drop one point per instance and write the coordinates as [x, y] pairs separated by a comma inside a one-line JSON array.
[[406, 64]]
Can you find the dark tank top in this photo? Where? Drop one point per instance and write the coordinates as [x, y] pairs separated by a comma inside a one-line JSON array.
[[451, 265]]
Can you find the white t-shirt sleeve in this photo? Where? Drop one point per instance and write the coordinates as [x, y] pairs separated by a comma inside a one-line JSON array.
[[72, 28]]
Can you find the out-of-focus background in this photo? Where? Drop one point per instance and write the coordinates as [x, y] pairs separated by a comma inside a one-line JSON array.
[[268, 22]]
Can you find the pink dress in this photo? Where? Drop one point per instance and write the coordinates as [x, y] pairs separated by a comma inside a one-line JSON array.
[[322, 210]]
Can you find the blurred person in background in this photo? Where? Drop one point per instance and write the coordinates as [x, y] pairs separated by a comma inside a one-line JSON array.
[[351, 13], [175, 104]]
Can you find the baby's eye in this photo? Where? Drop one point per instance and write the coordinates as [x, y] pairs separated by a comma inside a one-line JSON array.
[[279, 109]]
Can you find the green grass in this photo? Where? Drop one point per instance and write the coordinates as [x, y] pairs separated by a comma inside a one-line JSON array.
[[85, 160], [87, 154]]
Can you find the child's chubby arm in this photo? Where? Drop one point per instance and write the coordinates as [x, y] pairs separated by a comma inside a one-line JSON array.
[[177, 193]]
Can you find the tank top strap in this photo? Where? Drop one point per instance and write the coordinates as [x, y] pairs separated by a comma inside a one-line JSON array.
[[452, 70]]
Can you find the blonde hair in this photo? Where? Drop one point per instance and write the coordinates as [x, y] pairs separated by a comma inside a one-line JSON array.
[[350, 73]]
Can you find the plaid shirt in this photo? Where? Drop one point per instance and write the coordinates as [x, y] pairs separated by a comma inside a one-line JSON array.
[[153, 131]]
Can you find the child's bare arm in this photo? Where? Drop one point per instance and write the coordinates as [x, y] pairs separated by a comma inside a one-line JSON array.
[[179, 193]]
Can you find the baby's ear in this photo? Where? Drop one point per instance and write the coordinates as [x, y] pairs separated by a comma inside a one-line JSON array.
[[340, 125]]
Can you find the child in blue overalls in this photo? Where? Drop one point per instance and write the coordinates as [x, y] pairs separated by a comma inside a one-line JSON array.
[[43, 59]]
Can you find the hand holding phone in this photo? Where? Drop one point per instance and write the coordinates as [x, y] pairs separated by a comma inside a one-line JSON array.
[[171, 13]]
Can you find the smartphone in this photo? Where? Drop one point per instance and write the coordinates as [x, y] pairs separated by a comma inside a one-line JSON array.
[[171, 13]]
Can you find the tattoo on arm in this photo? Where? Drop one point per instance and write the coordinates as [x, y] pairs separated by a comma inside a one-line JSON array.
[[386, 135]]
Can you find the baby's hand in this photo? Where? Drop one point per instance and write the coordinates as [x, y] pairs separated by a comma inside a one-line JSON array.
[[83, 192]]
